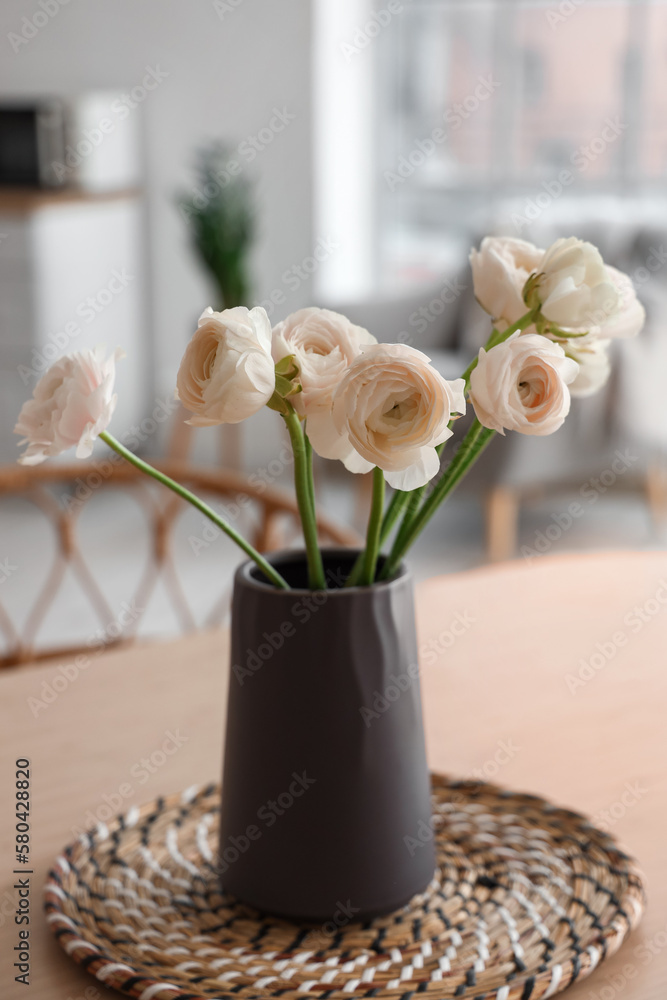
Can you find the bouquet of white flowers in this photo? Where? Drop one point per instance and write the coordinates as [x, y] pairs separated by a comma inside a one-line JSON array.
[[327, 653], [375, 407]]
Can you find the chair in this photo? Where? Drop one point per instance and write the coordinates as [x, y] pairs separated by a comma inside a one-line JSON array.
[[59, 494]]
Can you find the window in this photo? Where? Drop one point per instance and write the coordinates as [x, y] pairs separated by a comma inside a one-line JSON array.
[[482, 107], [482, 104]]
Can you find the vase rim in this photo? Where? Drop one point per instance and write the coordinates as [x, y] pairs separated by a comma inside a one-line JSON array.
[[248, 574]]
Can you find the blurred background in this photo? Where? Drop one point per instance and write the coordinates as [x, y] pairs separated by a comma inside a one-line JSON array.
[[159, 157]]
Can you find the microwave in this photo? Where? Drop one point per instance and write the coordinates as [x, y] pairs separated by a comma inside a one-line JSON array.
[[91, 142], [33, 137]]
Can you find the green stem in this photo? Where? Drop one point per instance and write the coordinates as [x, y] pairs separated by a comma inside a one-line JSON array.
[[309, 467], [469, 450], [304, 494], [374, 529], [497, 337], [204, 508], [409, 516], [395, 508]]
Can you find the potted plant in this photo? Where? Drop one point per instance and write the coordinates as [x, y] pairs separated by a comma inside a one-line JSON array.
[[221, 218], [325, 776]]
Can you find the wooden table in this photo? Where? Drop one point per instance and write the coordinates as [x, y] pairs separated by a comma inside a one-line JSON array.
[[509, 692]]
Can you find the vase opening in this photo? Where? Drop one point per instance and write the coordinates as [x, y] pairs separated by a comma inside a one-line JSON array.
[[338, 564]]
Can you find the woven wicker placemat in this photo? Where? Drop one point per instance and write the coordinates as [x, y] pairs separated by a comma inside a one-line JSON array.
[[527, 898]]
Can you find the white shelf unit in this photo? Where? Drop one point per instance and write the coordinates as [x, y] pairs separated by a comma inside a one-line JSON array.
[[71, 277]]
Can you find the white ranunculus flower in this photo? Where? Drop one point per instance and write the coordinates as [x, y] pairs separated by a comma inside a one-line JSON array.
[[324, 344], [594, 366], [72, 404], [500, 269], [391, 410], [629, 316], [575, 288], [227, 372], [521, 385]]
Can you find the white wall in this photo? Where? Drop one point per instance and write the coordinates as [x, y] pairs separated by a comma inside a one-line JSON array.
[[344, 138], [227, 70]]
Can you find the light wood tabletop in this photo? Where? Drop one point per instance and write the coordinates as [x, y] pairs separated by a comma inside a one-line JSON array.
[[547, 676]]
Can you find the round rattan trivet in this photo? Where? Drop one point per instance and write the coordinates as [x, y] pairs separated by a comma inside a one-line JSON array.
[[527, 897]]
